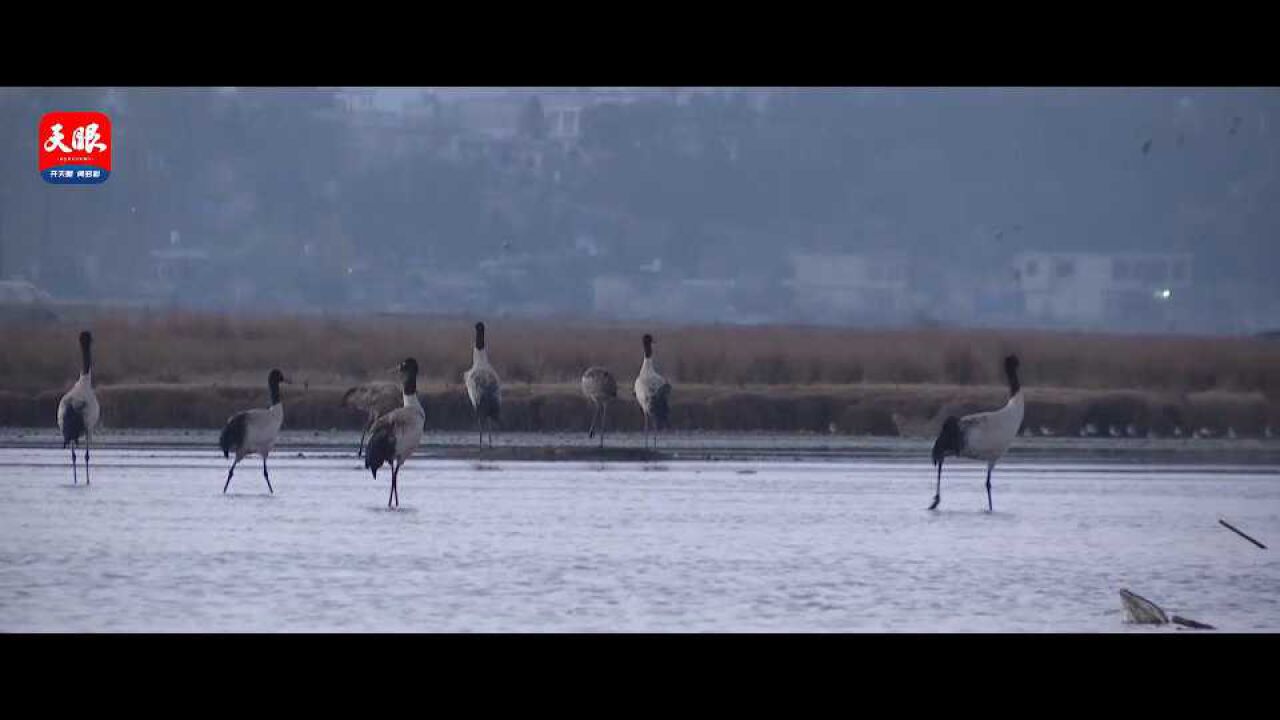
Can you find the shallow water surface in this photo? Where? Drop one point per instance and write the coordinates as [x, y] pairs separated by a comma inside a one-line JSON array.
[[735, 545]]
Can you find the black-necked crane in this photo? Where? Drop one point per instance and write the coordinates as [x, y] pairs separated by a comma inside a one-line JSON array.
[[653, 392], [483, 388], [601, 389], [982, 436], [396, 434], [374, 398], [254, 431], [78, 410]]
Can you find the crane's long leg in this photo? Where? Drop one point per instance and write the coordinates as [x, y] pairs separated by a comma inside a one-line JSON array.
[[395, 478], [604, 416], [990, 508], [265, 475], [363, 433], [230, 472], [595, 410], [392, 491], [88, 443], [74, 479], [937, 493]]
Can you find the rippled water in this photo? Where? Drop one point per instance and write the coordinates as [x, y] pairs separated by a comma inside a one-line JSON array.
[[588, 546]]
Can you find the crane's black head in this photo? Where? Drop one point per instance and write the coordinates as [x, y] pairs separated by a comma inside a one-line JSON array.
[[648, 345], [409, 367], [479, 336], [1011, 372], [274, 378], [409, 375], [86, 339]]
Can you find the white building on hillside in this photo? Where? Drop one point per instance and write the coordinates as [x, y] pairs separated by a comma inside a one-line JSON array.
[[838, 287], [1075, 288]]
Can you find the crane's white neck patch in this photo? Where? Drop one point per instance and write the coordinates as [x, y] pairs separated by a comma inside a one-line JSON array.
[[411, 401]]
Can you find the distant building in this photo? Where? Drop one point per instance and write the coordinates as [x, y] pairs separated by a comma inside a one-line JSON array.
[[23, 301], [449, 291], [1085, 288], [872, 287], [391, 121], [387, 123], [21, 292], [653, 297], [757, 97], [564, 116], [170, 268], [495, 113], [492, 117], [383, 100]]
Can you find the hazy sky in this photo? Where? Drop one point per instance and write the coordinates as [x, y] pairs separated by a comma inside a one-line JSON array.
[[280, 185]]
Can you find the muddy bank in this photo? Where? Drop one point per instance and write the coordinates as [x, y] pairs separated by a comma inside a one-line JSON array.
[[863, 409]]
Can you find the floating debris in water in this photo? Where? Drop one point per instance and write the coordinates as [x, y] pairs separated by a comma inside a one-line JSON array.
[[1138, 609], [1188, 622], [1142, 611], [1239, 532]]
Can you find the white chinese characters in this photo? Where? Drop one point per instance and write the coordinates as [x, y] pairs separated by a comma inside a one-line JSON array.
[[85, 138], [55, 139]]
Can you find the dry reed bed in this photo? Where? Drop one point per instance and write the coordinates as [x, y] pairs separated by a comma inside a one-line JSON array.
[[171, 347], [193, 370]]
